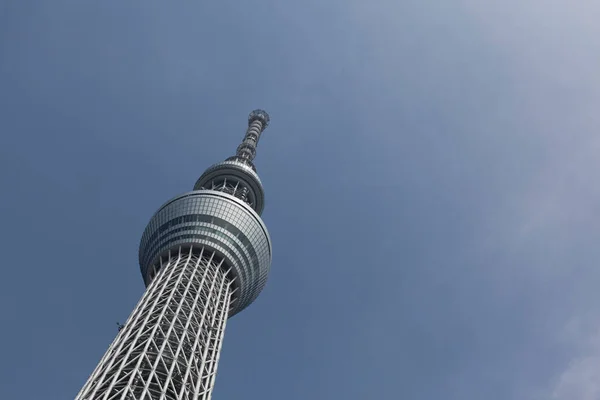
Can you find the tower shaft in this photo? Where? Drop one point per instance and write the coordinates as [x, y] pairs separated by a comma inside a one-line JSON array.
[[169, 347], [205, 255]]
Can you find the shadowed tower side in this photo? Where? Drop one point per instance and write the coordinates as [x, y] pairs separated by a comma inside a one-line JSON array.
[[204, 256]]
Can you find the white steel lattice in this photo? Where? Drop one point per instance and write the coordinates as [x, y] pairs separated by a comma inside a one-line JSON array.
[[169, 347]]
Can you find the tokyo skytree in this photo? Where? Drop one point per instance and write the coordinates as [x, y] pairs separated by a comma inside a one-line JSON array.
[[204, 256]]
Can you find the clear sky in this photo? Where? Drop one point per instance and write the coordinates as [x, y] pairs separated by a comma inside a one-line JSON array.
[[431, 173]]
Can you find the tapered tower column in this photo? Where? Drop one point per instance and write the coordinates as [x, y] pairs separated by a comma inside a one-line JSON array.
[[204, 256]]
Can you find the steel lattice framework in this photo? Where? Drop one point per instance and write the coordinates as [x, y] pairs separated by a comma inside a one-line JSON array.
[[204, 256], [169, 347]]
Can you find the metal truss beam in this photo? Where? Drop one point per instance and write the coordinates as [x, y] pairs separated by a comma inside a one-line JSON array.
[[169, 347]]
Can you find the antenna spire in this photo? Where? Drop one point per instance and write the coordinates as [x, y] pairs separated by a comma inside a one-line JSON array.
[[258, 120]]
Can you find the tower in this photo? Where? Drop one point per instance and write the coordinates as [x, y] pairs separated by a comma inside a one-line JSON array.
[[204, 256]]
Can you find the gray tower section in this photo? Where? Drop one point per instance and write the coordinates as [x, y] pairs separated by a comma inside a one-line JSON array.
[[222, 213], [204, 256]]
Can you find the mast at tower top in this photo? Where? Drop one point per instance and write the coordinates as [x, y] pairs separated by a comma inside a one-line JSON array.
[[237, 174], [258, 120]]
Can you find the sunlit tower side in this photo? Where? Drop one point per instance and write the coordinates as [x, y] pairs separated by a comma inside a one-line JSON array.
[[204, 256]]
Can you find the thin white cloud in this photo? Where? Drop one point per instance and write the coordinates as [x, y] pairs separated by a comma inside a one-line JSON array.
[[548, 217], [580, 380]]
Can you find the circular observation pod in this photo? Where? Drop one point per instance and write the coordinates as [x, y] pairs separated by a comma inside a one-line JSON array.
[[236, 178], [220, 222], [260, 115]]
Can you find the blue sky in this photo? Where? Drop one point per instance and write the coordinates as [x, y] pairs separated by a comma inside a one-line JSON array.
[[431, 179]]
